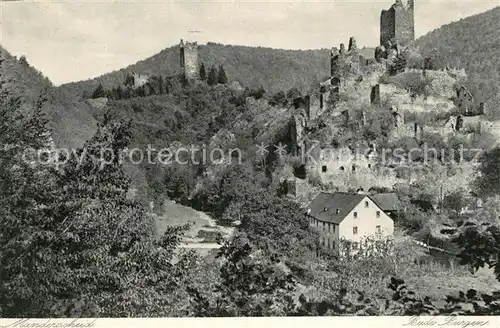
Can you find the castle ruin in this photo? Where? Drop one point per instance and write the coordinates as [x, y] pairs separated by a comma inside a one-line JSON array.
[[397, 24], [189, 60]]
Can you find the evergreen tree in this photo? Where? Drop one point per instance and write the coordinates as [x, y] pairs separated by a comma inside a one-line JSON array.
[[129, 80], [212, 76], [203, 73], [71, 243], [222, 78], [99, 92]]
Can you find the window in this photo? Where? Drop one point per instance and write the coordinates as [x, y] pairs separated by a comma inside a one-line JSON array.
[[324, 226], [323, 168], [354, 230], [337, 211], [378, 229], [355, 215], [342, 168], [369, 166], [355, 245], [367, 204], [378, 214], [354, 168]]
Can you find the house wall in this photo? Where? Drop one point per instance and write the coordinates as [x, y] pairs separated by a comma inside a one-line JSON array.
[[329, 232], [366, 222]]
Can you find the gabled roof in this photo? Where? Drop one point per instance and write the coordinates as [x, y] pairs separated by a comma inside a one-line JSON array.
[[344, 202], [386, 201]]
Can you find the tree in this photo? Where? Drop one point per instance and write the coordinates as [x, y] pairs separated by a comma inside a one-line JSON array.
[[293, 93], [399, 65], [222, 78], [203, 73], [99, 92], [71, 243], [278, 99], [23, 60], [251, 284], [129, 80], [488, 182], [212, 76], [455, 201]]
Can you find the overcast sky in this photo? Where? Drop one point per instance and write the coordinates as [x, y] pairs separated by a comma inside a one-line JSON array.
[[74, 40]]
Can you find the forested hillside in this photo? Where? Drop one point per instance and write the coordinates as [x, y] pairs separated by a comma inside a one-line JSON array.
[[273, 69], [70, 119], [472, 43]]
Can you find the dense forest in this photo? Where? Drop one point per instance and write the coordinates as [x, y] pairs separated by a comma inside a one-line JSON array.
[[273, 69], [472, 43]]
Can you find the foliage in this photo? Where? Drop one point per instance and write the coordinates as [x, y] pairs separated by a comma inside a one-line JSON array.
[[278, 99], [399, 65], [72, 244], [488, 182], [203, 72], [222, 77], [98, 92], [212, 76], [274, 69], [414, 82], [251, 284], [455, 201], [451, 45]]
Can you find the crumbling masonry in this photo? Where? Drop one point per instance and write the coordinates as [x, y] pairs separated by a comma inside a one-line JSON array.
[[397, 25], [189, 60]]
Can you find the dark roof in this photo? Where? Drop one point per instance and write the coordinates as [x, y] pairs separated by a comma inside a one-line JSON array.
[[344, 202], [386, 201]]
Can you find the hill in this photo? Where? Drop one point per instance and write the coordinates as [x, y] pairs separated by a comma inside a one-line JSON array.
[[70, 120], [274, 69], [472, 43]]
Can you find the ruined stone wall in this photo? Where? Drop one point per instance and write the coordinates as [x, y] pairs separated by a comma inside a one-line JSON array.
[[387, 26], [297, 128], [398, 23], [189, 60], [405, 23], [465, 101]]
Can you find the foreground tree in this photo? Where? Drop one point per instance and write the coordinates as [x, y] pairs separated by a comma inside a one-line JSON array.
[[71, 243], [488, 182]]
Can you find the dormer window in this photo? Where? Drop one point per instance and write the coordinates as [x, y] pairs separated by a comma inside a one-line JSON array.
[[325, 209], [337, 211]]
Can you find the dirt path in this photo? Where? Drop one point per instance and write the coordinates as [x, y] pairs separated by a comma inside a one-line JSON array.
[[174, 214]]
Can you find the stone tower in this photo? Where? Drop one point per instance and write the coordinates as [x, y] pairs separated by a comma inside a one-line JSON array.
[[189, 59], [398, 23]]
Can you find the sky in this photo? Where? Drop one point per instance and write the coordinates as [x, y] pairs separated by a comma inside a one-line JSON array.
[[70, 40]]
